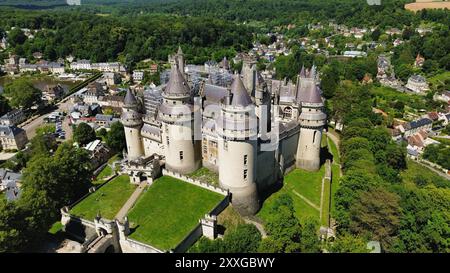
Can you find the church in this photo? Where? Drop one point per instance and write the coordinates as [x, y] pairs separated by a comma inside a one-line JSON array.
[[249, 130]]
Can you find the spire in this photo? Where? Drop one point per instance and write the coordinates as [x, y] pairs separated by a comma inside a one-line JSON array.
[[180, 52], [177, 85], [302, 72], [240, 96], [130, 99], [312, 73]]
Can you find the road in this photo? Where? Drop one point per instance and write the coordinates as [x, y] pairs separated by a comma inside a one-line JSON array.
[[30, 128]]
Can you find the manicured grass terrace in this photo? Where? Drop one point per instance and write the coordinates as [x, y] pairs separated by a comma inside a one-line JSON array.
[[108, 199], [168, 210]]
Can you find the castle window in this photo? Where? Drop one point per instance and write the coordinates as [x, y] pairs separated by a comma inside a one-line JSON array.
[[181, 155], [225, 145], [167, 139], [287, 113], [245, 174], [314, 138], [245, 160]]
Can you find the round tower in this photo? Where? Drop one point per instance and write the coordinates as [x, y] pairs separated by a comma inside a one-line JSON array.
[[237, 135], [132, 122], [181, 149], [312, 119]]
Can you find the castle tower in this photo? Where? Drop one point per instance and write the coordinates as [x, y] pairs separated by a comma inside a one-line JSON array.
[[237, 131], [132, 122], [180, 60], [312, 119], [248, 73], [182, 150]]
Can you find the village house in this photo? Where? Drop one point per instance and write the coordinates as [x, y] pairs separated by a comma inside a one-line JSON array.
[[153, 68], [13, 117], [445, 97], [111, 78], [56, 68], [53, 92], [417, 84], [93, 93], [10, 183], [81, 65], [99, 153], [138, 75], [413, 127], [108, 67], [103, 120], [12, 137], [419, 61]]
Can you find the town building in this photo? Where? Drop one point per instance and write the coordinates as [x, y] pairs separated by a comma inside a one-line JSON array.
[[417, 84], [12, 137], [13, 117]]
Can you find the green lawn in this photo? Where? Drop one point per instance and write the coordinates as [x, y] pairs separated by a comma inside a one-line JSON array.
[[439, 79], [334, 151], [205, 175], [107, 171], [114, 158], [307, 184], [107, 199], [326, 203], [386, 96], [415, 169], [168, 211], [56, 227]]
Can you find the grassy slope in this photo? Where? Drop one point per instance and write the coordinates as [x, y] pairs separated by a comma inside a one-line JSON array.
[[108, 199], [168, 211]]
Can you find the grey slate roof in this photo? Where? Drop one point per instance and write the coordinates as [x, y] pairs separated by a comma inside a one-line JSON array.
[[130, 99], [308, 92], [214, 93], [177, 85], [10, 131], [419, 123], [240, 96]]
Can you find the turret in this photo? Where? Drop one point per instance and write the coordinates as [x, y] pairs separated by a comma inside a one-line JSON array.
[[237, 135], [182, 150], [248, 73], [132, 122], [180, 59], [312, 120]]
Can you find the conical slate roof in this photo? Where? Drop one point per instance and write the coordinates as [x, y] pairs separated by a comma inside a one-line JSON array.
[[130, 99], [309, 92], [240, 95], [177, 85]]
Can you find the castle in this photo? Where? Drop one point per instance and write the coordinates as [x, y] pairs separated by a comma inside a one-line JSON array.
[[250, 132]]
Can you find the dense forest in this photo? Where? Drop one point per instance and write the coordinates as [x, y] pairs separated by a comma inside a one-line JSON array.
[[107, 38]]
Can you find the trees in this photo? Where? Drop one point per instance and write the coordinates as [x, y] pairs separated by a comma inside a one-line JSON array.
[[22, 93], [63, 177], [16, 37], [115, 138], [4, 106], [284, 230], [245, 238], [376, 213], [49, 182], [83, 134], [347, 243]]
